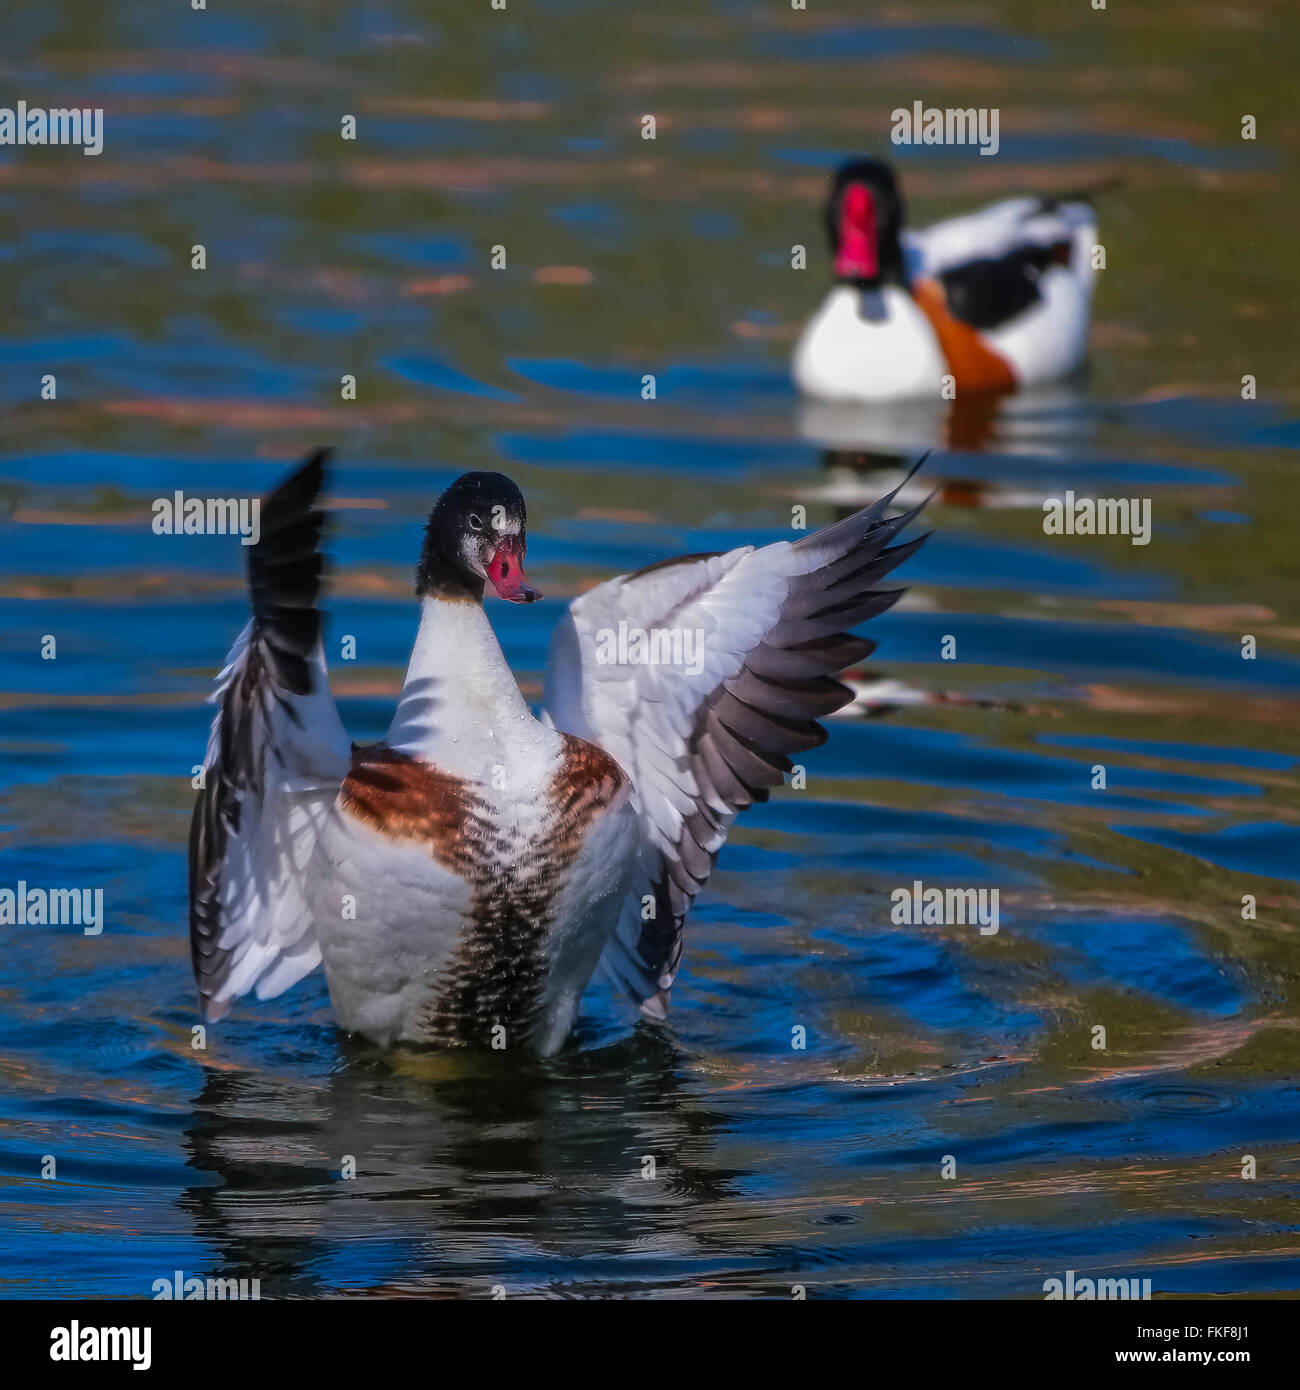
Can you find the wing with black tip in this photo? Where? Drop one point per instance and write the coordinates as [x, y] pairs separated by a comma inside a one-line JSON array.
[[761, 635], [276, 756]]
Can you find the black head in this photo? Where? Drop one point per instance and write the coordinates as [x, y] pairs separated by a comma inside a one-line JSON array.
[[476, 533], [864, 217]]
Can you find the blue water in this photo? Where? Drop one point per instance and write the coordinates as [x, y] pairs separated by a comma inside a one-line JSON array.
[[285, 1151]]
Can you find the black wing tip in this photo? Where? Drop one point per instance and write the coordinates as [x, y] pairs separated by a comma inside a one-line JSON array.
[[887, 499], [873, 512], [286, 567], [304, 485], [911, 473]]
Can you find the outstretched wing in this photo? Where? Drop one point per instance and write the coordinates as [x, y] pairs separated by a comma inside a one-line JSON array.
[[276, 756], [760, 635]]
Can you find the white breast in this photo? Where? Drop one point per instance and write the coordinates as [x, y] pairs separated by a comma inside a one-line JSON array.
[[388, 919], [868, 346]]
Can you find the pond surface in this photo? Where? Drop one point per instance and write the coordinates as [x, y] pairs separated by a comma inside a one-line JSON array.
[[1120, 907]]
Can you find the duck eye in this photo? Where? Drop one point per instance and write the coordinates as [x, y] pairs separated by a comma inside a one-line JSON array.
[[475, 524]]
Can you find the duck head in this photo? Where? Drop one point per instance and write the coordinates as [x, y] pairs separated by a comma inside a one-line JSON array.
[[864, 216], [476, 535]]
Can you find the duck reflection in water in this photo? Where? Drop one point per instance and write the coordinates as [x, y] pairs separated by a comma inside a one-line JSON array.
[[508, 1172]]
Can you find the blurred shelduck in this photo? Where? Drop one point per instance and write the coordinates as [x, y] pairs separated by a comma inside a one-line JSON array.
[[997, 300]]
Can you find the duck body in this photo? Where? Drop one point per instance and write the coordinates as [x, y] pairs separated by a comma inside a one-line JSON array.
[[484, 856], [996, 300], [463, 879]]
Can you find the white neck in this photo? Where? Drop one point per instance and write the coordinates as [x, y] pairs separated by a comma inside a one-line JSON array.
[[460, 706]]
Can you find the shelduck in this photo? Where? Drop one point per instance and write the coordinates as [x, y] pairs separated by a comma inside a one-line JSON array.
[[995, 300], [462, 880]]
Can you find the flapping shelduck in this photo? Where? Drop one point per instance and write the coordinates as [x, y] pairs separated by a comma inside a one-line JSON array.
[[462, 880]]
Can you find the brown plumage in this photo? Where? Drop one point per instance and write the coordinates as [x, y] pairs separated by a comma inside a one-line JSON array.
[[406, 799], [587, 781], [498, 970]]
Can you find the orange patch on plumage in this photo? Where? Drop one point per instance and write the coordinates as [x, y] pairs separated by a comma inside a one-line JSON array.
[[974, 365], [408, 800], [586, 782]]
